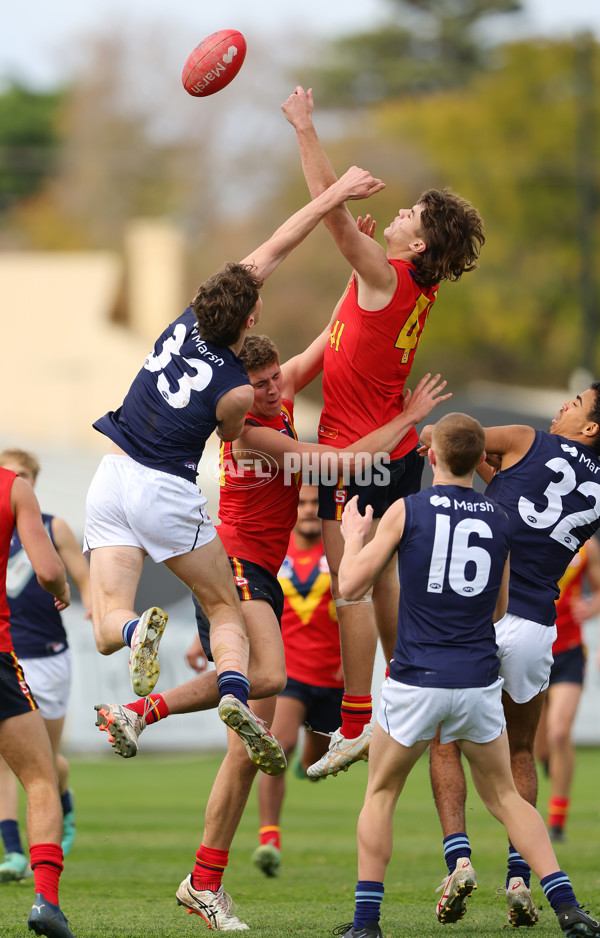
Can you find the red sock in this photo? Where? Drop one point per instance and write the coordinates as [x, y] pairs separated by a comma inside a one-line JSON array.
[[209, 868], [271, 834], [356, 713], [47, 865], [558, 808], [152, 708]]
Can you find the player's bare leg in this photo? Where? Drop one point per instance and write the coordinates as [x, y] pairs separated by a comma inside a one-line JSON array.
[[290, 714], [560, 711], [206, 571], [358, 645], [202, 890], [389, 766], [448, 784], [26, 748], [114, 576], [521, 725]]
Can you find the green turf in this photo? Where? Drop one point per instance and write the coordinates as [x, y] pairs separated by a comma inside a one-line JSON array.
[[139, 825]]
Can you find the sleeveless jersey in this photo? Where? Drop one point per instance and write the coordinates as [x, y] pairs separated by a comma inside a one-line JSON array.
[[258, 505], [368, 359], [451, 557], [169, 411], [35, 624], [7, 525], [309, 626], [552, 499], [569, 632]]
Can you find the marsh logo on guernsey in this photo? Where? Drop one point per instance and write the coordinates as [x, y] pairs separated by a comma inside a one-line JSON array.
[[571, 450], [440, 501], [197, 378]]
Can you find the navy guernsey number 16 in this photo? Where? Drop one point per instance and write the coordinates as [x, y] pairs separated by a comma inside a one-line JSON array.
[[454, 557]]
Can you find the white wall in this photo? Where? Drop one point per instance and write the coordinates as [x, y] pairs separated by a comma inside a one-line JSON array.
[[99, 679]]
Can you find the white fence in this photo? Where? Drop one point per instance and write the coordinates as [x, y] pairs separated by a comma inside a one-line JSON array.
[[100, 679]]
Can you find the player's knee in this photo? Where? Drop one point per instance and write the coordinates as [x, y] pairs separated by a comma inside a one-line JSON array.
[[103, 646], [274, 684]]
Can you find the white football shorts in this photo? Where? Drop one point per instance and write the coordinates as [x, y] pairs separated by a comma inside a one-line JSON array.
[[409, 713], [50, 681], [525, 652], [130, 505]]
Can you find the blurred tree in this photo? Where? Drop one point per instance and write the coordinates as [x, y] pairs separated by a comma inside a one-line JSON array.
[[29, 141], [429, 44], [133, 144]]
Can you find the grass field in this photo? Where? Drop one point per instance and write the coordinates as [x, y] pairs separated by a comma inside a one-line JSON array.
[[140, 822]]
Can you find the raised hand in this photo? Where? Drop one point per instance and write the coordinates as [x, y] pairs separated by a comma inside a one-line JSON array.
[[359, 184], [427, 395], [353, 523], [366, 225], [299, 107]]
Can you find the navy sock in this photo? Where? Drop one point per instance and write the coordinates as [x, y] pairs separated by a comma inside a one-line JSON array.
[[128, 630], [66, 801], [558, 890], [455, 846], [9, 830], [517, 866], [233, 682], [368, 897]]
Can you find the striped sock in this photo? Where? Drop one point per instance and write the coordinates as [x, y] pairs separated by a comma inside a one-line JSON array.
[[356, 713], [517, 866], [270, 834], [209, 868], [235, 683], [152, 708], [455, 846], [558, 890], [128, 630], [558, 809], [368, 897]]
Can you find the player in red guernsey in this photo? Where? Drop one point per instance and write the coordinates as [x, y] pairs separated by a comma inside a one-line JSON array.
[[24, 742], [371, 350], [313, 693], [553, 743]]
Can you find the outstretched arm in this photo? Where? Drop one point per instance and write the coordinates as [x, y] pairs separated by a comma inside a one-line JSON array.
[[366, 256], [288, 453], [354, 184], [509, 443], [304, 367]]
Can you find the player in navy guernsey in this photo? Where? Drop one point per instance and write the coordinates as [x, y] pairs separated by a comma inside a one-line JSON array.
[[144, 499], [453, 547], [549, 486]]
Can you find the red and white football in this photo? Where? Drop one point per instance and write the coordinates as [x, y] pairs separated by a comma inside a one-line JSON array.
[[214, 63]]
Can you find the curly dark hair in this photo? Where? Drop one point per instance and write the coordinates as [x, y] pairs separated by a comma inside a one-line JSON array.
[[258, 351], [594, 415], [224, 302], [453, 232]]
